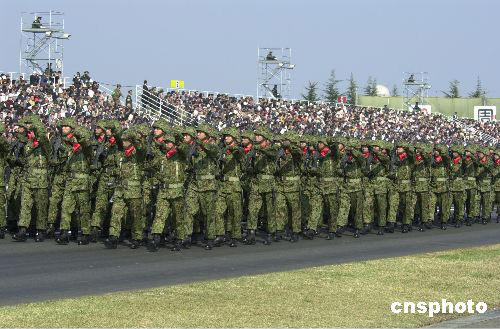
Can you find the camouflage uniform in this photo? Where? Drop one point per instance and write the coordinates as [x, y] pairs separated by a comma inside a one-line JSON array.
[[312, 201], [170, 171], [440, 184], [469, 168], [353, 171], [76, 199], [401, 197], [484, 176], [127, 197], [4, 151], [496, 182], [229, 192], [15, 161], [330, 182], [35, 180], [202, 188], [376, 171], [106, 183], [421, 180], [457, 187], [60, 153], [262, 186], [288, 193]]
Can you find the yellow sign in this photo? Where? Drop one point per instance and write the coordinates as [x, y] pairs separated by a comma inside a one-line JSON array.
[[177, 84]]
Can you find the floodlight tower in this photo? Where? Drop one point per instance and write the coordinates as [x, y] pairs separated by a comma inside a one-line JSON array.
[[42, 41], [274, 72], [416, 87]]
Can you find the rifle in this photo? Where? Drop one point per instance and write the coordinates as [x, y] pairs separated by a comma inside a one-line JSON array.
[[149, 147], [100, 153]]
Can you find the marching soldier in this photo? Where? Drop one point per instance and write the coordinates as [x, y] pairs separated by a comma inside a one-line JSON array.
[[469, 168], [440, 184], [457, 187], [421, 180], [288, 193], [352, 166], [127, 197], [4, 151], [312, 202], [76, 198], [484, 175], [170, 171], [36, 179], [228, 198], [262, 186], [106, 157], [401, 197]]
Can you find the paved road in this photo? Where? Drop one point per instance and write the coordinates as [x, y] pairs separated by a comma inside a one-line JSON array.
[[37, 271]]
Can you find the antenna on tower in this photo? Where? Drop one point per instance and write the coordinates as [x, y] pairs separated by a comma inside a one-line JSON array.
[[274, 72], [42, 42]]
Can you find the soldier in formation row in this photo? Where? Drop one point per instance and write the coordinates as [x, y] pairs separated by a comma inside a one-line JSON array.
[[181, 185]]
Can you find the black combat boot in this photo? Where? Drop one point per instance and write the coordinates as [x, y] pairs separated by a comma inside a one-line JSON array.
[[366, 229], [277, 236], [209, 245], [356, 233], [63, 238], [20, 235], [381, 230], [484, 221], [154, 243], [267, 239], [111, 242], [309, 234], [428, 225], [330, 235], [477, 220], [3, 230], [250, 238], [458, 223], [294, 237], [444, 226], [134, 244], [83, 239], [177, 245], [390, 228], [405, 228], [219, 241], [468, 221], [186, 243], [39, 236], [50, 231], [232, 243], [94, 234], [339, 231], [421, 227]]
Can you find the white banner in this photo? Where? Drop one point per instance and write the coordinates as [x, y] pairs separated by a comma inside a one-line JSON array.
[[485, 113]]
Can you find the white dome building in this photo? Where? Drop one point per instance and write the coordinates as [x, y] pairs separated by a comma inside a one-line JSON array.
[[383, 91]]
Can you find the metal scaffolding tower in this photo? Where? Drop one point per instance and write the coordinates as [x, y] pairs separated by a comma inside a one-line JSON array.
[[42, 41], [416, 87], [274, 72]]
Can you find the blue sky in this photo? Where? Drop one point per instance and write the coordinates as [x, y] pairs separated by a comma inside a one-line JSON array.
[[212, 45]]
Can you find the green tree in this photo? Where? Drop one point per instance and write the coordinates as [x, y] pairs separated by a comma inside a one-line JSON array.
[[395, 91], [371, 87], [352, 90], [453, 91], [331, 92], [479, 92], [311, 94]]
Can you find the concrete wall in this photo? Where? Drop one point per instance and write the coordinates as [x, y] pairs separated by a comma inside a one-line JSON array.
[[447, 106]]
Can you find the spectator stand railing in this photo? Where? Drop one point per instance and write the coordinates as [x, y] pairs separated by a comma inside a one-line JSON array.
[[155, 107], [484, 136]]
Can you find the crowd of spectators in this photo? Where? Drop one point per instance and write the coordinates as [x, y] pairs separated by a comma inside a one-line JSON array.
[[46, 96]]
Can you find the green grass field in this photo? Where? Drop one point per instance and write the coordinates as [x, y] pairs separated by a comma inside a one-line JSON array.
[[347, 295]]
